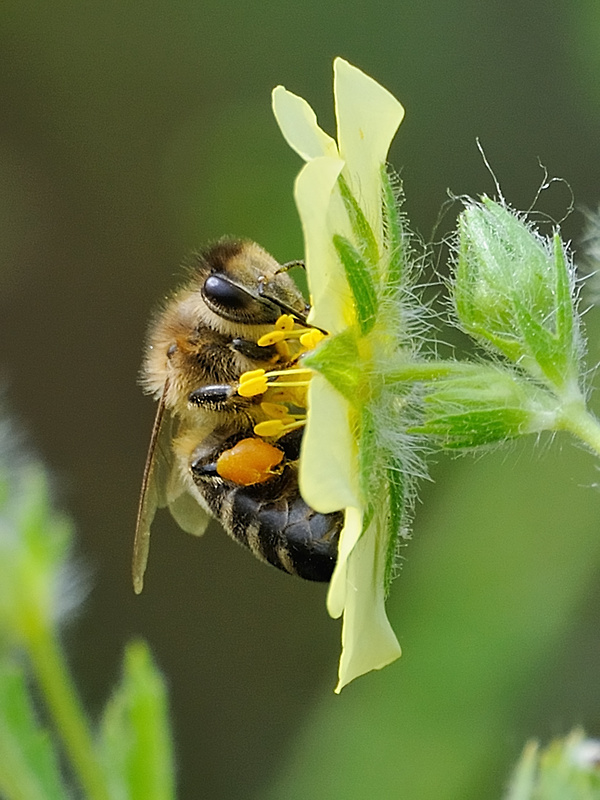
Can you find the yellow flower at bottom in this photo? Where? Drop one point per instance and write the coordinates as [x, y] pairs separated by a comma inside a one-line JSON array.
[[340, 196]]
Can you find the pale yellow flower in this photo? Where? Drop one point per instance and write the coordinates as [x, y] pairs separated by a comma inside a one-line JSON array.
[[367, 119]]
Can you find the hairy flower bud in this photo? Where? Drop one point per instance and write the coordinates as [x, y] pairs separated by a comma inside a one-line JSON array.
[[514, 290]]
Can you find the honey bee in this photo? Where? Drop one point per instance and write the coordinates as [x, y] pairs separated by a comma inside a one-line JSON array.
[[203, 459]]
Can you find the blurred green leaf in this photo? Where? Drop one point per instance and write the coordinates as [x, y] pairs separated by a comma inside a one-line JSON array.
[[136, 738], [558, 772], [29, 767], [34, 543]]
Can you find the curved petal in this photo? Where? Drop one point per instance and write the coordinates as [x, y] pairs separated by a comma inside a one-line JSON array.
[[336, 596], [368, 116], [299, 126], [368, 641], [328, 469], [322, 213]]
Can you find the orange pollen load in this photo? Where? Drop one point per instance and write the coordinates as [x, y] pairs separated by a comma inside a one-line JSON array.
[[250, 461]]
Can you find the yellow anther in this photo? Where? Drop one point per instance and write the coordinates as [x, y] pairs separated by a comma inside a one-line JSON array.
[[271, 427], [273, 337], [311, 338], [253, 386], [252, 373], [285, 323], [283, 350], [275, 410]]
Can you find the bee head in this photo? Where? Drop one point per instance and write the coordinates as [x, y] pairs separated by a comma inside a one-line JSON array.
[[243, 284]]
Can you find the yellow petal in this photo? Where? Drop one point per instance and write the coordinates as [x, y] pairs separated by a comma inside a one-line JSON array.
[[368, 116], [299, 126], [336, 596], [322, 213], [368, 641], [328, 469]]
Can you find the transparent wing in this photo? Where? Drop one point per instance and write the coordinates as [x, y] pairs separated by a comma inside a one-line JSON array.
[[189, 514], [185, 508], [163, 485], [153, 493]]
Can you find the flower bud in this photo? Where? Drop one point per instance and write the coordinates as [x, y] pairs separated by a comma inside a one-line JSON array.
[[514, 291]]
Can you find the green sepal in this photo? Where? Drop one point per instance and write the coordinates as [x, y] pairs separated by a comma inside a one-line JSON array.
[[360, 280], [363, 233], [544, 350], [337, 359], [471, 429], [29, 764], [483, 406], [395, 237], [396, 488], [565, 311], [367, 452], [135, 733]]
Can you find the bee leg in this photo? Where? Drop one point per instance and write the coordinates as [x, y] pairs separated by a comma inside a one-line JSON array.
[[204, 470], [252, 351], [215, 397]]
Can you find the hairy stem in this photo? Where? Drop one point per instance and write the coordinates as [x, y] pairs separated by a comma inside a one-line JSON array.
[[576, 419]]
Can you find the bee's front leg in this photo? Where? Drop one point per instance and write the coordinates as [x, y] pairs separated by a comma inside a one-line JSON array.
[[218, 397]]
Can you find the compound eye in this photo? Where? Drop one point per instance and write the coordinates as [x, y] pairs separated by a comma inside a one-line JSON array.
[[218, 290]]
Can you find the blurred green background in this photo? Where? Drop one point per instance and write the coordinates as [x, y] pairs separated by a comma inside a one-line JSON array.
[[131, 133]]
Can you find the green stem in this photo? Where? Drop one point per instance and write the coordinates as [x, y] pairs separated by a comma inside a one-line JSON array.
[[52, 673], [576, 419]]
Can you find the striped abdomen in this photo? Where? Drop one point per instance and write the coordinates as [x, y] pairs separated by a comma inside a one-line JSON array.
[[274, 522]]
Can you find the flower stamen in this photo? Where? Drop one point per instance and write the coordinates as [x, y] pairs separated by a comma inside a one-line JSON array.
[[257, 380], [283, 393], [285, 331], [277, 427]]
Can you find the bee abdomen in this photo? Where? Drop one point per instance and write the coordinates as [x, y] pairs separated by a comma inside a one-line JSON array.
[[284, 530], [275, 523]]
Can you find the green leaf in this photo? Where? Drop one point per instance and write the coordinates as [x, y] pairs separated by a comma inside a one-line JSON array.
[[135, 736], [361, 282], [29, 768]]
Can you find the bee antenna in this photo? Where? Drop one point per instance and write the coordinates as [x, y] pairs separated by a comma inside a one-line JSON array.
[[300, 318], [289, 265]]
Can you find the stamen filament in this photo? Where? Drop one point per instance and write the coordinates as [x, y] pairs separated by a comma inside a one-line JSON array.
[[288, 383], [295, 371]]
